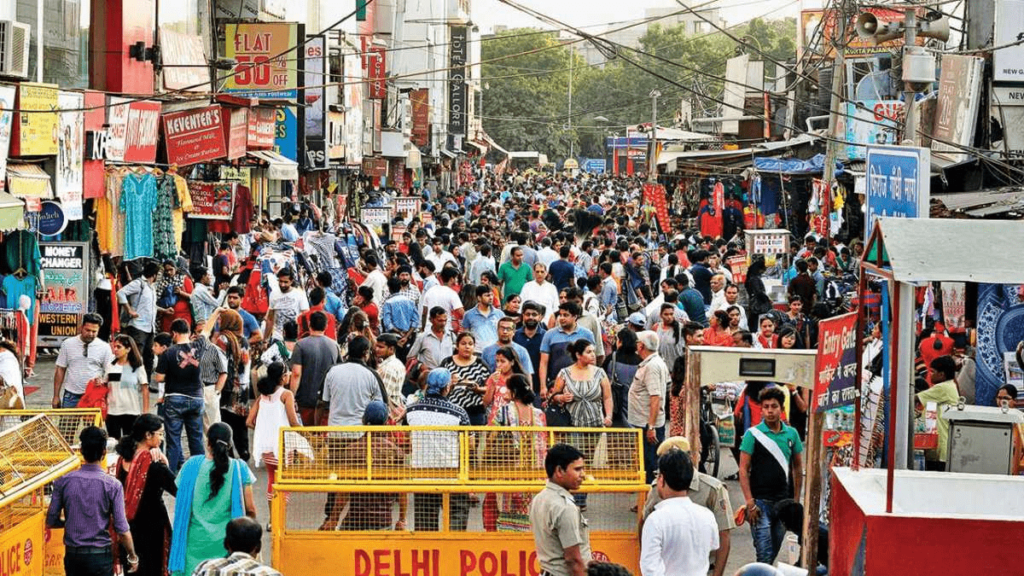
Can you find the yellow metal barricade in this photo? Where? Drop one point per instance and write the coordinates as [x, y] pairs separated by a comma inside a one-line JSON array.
[[438, 501], [69, 421], [33, 453]]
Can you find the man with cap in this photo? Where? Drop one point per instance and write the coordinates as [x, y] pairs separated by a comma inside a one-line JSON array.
[[647, 393], [706, 491], [636, 322], [437, 449]]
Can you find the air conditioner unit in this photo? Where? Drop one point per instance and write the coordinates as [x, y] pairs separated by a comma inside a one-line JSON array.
[[14, 39]]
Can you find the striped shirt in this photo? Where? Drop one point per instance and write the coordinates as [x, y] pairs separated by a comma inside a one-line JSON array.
[[83, 362], [212, 364], [392, 374], [237, 564], [141, 295], [89, 499]]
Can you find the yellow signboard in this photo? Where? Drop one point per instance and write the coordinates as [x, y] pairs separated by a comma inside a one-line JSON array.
[[21, 547], [266, 66], [448, 554], [37, 132]]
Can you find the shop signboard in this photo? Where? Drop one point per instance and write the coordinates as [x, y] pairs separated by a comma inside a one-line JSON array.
[[194, 136], [66, 296], [375, 216], [377, 74], [457, 104], [237, 132], [35, 133], [316, 154], [835, 367], [261, 129], [286, 133], [871, 122], [898, 183], [956, 110], [420, 100], [51, 219], [336, 135], [1008, 61], [142, 132], [407, 206], [397, 230], [353, 97], [7, 103], [71, 153], [113, 142], [265, 56], [313, 91], [212, 200], [770, 243], [184, 61]]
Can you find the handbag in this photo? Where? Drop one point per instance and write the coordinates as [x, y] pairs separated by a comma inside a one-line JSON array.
[[95, 396], [167, 297], [557, 415], [9, 398]]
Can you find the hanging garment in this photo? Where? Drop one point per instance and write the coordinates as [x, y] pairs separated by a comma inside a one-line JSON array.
[[182, 204], [15, 287], [241, 216], [109, 221], [164, 246], [138, 201], [21, 251]]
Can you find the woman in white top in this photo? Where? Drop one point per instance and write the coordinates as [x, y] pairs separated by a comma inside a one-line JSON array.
[[127, 387], [274, 410]]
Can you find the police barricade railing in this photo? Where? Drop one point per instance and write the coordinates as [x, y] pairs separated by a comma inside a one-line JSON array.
[[69, 421], [435, 501], [470, 456]]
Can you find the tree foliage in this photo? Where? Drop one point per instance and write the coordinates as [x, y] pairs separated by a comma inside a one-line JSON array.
[[526, 103]]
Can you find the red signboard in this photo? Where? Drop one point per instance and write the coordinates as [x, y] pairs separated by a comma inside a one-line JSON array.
[[420, 116], [377, 74], [212, 200], [375, 167], [654, 195], [398, 174], [195, 136], [142, 132], [835, 368], [237, 132], [261, 129], [93, 185]]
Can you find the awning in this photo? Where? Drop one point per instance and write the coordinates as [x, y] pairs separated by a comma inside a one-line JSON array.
[[28, 181], [280, 168], [985, 202], [12, 212], [479, 146], [490, 142], [449, 153]]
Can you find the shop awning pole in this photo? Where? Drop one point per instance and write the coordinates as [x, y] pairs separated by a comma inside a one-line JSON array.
[[894, 351]]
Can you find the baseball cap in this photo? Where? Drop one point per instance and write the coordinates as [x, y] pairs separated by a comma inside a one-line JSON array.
[[637, 319], [437, 380]]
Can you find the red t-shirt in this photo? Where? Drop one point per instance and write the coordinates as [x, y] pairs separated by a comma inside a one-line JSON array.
[[929, 353]]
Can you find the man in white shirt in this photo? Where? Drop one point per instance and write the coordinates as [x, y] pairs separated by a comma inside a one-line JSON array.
[[732, 298], [679, 535], [717, 291], [440, 255], [375, 279], [286, 303], [483, 263], [445, 297], [547, 254], [541, 291]]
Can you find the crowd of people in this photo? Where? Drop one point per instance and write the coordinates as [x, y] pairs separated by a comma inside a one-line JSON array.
[[522, 300]]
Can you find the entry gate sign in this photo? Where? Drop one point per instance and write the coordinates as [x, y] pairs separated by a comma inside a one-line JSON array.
[[898, 183]]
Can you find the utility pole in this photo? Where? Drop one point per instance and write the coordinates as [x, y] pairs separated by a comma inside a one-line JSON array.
[[812, 482], [909, 95], [572, 139], [652, 159]]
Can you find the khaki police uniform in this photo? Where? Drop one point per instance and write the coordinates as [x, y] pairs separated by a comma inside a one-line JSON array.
[[558, 524]]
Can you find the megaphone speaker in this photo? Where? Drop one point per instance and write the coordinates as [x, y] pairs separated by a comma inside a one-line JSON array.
[[938, 29], [869, 27]]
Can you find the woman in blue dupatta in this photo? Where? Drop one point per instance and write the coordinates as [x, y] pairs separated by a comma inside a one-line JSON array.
[[213, 489]]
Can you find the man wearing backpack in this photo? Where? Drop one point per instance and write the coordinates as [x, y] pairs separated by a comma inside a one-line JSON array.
[[139, 300]]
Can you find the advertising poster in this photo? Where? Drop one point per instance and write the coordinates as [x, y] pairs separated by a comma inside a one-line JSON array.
[[420, 100], [956, 109], [375, 216], [738, 266], [117, 128], [353, 95], [871, 122], [36, 133], [457, 105], [1008, 62], [238, 132], [7, 103], [70, 154], [408, 206], [770, 243], [316, 79], [194, 136], [185, 65], [142, 133], [835, 368], [377, 74], [266, 67], [818, 30], [898, 183], [286, 133], [66, 297], [261, 129], [212, 200]]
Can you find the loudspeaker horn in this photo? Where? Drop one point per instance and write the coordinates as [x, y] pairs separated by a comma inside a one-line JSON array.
[[869, 27], [938, 29]]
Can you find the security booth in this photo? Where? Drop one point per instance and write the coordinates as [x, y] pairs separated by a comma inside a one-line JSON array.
[[440, 501], [33, 453], [953, 510]]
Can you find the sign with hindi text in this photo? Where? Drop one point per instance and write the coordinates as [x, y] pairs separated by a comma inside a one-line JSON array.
[[898, 183], [835, 381]]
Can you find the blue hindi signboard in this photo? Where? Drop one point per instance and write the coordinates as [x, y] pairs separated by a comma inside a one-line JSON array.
[[898, 183], [595, 165]]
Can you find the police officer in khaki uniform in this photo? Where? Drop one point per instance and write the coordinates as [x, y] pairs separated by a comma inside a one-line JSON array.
[[560, 530]]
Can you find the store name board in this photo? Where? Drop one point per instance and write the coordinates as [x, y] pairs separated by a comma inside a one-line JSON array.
[[143, 132], [261, 129], [457, 105], [237, 132], [64, 301], [378, 73], [265, 57], [195, 135], [1008, 61], [420, 100], [898, 183], [770, 244], [316, 154], [375, 216]]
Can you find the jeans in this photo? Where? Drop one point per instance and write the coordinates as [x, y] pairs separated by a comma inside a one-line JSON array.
[[651, 451], [179, 411], [78, 564], [768, 533], [70, 399]]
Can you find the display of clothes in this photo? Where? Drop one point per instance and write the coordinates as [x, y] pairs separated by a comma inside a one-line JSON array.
[[21, 252], [138, 201], [164, 246], [181, 205], [17, 285], [109, 221]]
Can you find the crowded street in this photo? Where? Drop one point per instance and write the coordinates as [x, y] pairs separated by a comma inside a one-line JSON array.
[[500, 288]]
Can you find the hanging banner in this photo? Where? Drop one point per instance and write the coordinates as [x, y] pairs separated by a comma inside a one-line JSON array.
[[408, 206], [457, 105], [35, 133], [420, 100], [313, 91], [956, 109], [286, 133], [195, 136], [212, 200], [142, 133], [266, 67], [377, 74], [66, 297], [375, 216], [237, 132], [354, 120], [116, 129], [835, 368], [654, 195], [954, 305], [261, 129], [70, 154], [7, 103]]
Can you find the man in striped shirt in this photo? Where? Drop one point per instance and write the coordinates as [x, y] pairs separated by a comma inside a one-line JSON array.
[[243, 538]]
